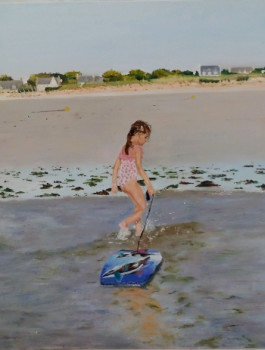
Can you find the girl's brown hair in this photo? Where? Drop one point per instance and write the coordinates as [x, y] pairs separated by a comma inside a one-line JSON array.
[[138, 126]]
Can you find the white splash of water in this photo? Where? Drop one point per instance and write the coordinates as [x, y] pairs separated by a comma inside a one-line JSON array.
[[150, 226], [123, 234]]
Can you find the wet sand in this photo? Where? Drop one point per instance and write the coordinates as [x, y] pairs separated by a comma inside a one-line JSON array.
[[209, 291]]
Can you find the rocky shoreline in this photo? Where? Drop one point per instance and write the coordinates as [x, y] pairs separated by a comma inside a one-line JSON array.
[[46, 182]]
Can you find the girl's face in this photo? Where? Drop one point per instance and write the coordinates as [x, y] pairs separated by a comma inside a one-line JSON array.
[[142, 138]]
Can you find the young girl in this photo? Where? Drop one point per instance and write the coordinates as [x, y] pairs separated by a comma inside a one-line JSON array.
[[129, 165]]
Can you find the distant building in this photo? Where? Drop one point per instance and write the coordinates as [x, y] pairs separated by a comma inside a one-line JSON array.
[[210, 70], [83, 79], [98, 79], [43, 83], [10, 85], [241, 70]]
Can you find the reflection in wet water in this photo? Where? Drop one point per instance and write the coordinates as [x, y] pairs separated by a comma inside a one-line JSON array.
[[209, 291]]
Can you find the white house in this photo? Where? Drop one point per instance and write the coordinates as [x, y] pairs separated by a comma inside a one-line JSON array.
[[210, 70], [241, 70], [43, 83], [10, 85], [83, 79]]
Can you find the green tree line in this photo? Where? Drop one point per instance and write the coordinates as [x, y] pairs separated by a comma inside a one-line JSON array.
[[138, 74], [112, 75]]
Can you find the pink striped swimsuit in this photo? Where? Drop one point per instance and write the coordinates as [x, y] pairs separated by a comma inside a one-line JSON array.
[[128, 170]]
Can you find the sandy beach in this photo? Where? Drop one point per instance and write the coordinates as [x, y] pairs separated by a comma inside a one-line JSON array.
[[209, 291], [49, 138], [190, 125]]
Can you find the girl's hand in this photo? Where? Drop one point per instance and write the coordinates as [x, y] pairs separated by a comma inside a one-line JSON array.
[[114, 188], [150, 190]]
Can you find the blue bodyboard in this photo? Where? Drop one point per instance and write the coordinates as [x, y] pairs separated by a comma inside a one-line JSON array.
[[130, 267]]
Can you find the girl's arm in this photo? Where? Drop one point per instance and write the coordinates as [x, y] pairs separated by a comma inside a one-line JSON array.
[[114, 187], [142, 173]]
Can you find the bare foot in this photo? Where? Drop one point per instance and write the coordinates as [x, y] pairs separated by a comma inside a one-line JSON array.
[[122, 225]]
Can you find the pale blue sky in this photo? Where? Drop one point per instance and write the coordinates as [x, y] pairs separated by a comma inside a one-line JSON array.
[[93, 36]]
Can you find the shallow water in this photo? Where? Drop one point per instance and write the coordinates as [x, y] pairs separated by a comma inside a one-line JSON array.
[[209, 291]]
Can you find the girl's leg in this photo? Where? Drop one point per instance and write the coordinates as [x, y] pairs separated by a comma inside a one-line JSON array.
[[135, 193], [138, 223], [138, 227]]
